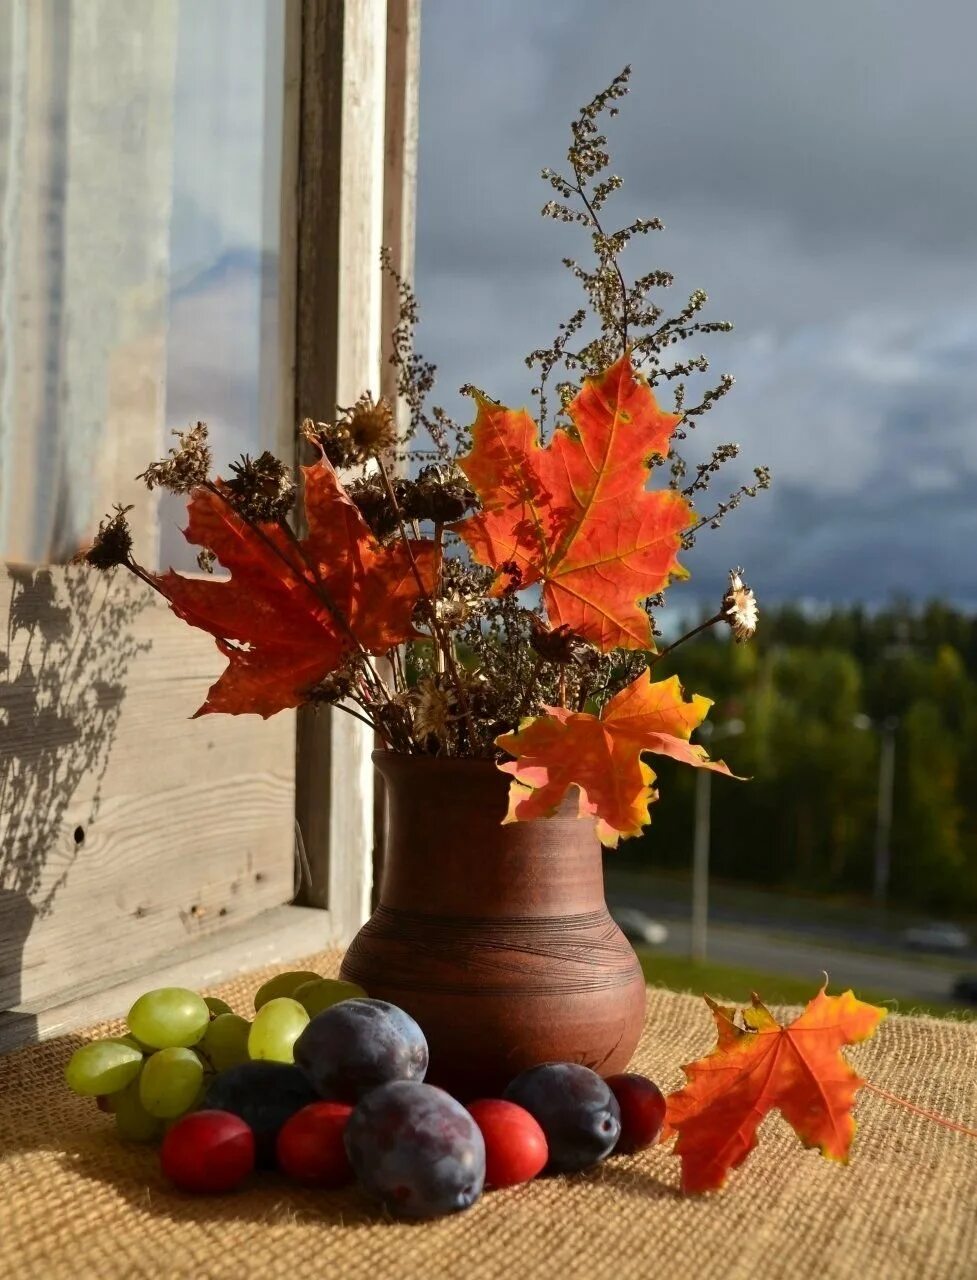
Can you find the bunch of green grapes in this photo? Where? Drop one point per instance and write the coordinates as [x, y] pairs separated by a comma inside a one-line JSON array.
[[178, 1040]]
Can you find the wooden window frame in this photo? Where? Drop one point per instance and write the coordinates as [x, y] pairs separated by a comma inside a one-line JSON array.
[[348, 187]]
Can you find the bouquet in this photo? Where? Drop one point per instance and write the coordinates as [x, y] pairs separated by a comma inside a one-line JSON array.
[[488, 590]]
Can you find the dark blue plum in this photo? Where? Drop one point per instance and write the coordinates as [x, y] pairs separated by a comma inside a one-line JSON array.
[[416, 1150], [264, 1094], [360, 1044], [574, 1108]]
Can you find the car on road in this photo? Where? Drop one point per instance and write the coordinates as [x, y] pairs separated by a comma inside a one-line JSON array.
[[965, 988], [936, 936], [638, 927]]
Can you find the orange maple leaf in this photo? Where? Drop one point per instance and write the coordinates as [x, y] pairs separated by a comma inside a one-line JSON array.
[[602, 755], [759, 1066], [575, 515], [292, 611]]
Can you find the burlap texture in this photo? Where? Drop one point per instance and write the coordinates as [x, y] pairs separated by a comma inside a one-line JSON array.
[[74, 1201]]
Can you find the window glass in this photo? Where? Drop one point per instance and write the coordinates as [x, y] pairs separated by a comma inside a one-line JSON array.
[[139, 196]]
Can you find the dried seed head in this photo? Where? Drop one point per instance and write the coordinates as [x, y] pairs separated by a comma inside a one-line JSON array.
[[206, 559], [262, 489], [439, 494], [562, 646], [185, 467], [373, 503], [370, 427], [739, 608], [333, 441], [113, 542], [452, 611], [435, 708], [333, 688]]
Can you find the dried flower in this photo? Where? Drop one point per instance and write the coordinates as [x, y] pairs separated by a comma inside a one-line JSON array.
[[262, 489], [374, 505], [185, 467], [206, 560], [334, 688], [452, 611], [113, 542], [561, 645], [370, 427], [435, 708], [439, 494], [739, 608], [332, 440]]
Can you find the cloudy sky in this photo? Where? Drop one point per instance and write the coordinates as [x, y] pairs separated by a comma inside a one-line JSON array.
[[815, 168]]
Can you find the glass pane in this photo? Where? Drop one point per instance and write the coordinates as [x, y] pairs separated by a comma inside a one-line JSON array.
[[139, 194]]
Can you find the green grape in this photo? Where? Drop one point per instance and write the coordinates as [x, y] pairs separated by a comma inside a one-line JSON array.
[[276, 1027], [132, 1042], [283, 984], [316, 997], [170, 1082], [169, 1018], [225, 1041], [103, 1066], [217, 1006], [132, 1121]]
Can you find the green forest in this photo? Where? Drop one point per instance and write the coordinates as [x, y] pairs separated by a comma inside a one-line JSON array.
[[813, 692]]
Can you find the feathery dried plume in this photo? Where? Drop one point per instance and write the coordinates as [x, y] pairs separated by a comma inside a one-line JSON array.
[[739, 609], [113, 542], [185, 467]]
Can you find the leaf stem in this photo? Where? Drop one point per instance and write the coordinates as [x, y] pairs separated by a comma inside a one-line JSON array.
[[921, 1111], [710, 622]]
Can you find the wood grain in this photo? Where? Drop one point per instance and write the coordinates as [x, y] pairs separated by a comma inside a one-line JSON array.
[[338, 317], [126, 828]]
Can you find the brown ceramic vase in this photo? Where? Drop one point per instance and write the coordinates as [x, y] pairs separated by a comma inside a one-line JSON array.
[[495, 938]]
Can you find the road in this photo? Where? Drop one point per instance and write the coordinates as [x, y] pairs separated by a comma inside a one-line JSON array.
[[904, 978]]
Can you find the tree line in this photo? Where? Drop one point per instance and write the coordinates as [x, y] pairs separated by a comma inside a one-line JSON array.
[[815, 692]]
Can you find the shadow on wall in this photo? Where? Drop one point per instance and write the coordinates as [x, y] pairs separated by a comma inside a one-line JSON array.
[[64, 657]]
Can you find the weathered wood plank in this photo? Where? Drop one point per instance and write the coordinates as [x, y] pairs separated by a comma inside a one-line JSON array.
[[338, 318], [276, 936], [126, 828]]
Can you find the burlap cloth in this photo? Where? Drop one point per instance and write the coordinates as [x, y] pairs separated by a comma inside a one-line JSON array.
[[74, 1201]]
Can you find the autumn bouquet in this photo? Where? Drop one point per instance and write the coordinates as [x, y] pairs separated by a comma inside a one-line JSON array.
[[487, 590]]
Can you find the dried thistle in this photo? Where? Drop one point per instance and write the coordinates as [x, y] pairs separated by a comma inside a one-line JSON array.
[[561, 645], [113, 542], [739, 608], [374, 505], [185, 467], [263, 488]]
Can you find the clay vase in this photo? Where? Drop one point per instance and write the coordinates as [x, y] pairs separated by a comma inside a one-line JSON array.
[[495, 938]]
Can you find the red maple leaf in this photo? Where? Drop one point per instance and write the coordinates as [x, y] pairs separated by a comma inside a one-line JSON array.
[[575, 515], [759, 1066], [292, 611], [602, 755]]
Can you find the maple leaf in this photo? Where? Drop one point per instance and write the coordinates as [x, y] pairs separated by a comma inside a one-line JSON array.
[[575, 515], [602, 755], [292, 611], [753, 1069]]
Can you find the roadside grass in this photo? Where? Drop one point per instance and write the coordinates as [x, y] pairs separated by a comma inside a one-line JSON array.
[[735, 984]]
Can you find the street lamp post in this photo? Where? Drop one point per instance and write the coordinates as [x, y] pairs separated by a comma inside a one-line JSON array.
[[882, 856], [701, 841]]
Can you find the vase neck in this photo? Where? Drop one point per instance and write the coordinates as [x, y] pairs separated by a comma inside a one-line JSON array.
[[448, 852]]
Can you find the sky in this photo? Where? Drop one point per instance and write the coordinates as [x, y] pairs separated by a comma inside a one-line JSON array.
[[815, 168]]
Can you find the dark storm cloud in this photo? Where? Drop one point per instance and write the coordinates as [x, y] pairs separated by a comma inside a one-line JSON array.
[[815, 167]]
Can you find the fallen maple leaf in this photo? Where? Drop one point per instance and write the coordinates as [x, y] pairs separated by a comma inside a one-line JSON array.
[[602, 755], [291, 611], [575, 515], [759, 1066]]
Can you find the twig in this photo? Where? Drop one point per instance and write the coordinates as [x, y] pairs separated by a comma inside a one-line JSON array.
[[432, 611], [710, 622]]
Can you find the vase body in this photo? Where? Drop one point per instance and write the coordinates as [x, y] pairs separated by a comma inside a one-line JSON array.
[[496, 938]]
